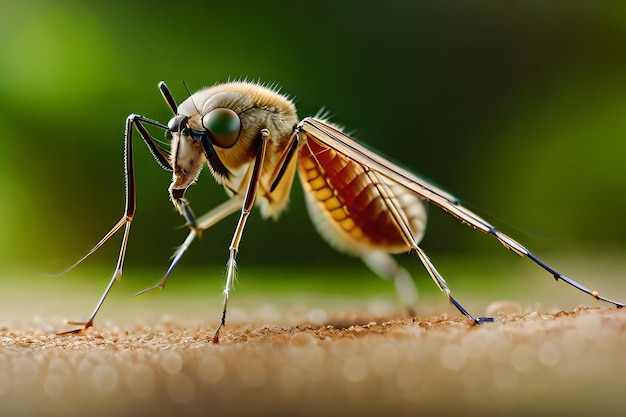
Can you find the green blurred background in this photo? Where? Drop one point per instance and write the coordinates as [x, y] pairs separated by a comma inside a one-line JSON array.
[[518, 108]]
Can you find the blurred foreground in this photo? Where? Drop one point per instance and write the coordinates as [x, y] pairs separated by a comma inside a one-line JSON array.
[[313, 342], [526, 364]]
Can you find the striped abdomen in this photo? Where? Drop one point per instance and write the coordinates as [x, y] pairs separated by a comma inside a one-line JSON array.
[[347, 204]]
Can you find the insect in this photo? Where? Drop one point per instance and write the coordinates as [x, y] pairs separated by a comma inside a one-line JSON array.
[[253, 142]]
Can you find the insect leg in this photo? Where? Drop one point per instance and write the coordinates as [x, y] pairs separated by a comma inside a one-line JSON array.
[[441, 283], [206, 221], [162, 158], [511, 244], [248, 203], [169, 99], [403, 226], [283, 161]]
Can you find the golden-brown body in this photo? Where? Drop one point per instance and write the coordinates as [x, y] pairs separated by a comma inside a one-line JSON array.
[[347, 204]]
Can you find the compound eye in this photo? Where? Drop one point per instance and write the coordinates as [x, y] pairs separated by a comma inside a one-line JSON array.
[[223, 126], [177, 124]]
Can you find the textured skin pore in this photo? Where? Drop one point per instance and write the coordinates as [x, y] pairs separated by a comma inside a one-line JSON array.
[[346, 204]]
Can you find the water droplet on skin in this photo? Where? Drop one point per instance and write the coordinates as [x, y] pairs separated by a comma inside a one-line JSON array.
[[503, 307], [303, 339], [548, 354], [60, 368], [171, 362], [25, 369], [104, 378], [523, 357], [355, 369], [211, 369], [317, 316], [268, 313]]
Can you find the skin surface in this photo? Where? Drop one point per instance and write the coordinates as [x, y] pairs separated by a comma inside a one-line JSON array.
[[527, 363]]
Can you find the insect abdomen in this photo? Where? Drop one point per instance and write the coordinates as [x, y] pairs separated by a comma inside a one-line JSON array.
[[347, 207]]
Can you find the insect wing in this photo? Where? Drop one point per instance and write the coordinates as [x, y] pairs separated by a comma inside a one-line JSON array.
[[331, 137], [340, 142]]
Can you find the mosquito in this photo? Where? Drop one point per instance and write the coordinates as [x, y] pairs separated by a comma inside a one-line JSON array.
[[250, 137]]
